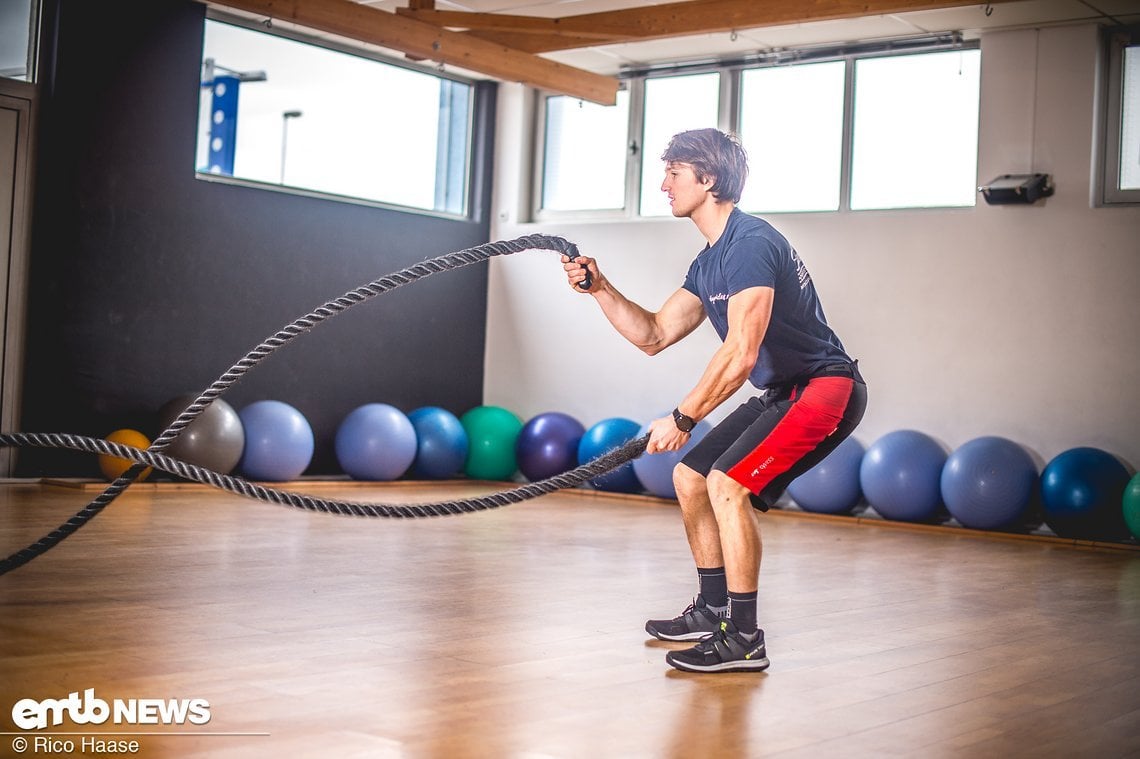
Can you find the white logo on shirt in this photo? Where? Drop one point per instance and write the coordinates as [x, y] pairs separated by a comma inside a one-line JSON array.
[[801, 271]]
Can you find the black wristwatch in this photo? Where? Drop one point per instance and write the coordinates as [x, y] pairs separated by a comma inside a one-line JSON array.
[[684, 423]]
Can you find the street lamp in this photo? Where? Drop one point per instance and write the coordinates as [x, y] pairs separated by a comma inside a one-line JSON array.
[[285, 137]]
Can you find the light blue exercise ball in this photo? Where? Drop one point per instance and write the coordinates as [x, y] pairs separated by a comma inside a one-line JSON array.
[[655, 470], [278, 441], [900, 475], [831, 486], [376, 441]]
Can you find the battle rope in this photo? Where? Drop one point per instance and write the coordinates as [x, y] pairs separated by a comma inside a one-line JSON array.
[[153, 455], [604, 463]]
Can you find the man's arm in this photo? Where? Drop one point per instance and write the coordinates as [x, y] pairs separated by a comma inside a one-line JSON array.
[[650, 331], [749, 313]]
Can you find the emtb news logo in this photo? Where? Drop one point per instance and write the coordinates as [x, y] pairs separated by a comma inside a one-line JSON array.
[[29, 714]]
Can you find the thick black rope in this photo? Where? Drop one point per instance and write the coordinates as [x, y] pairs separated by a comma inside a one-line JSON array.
[[298, 327], [604, 463]]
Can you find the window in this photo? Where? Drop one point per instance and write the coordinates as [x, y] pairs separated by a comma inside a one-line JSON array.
[[584, 154], [672, 104], [18, 22], [916, 131], [875, 126], [791, 126], [1122, 119], [286, 113], [1130, 121]]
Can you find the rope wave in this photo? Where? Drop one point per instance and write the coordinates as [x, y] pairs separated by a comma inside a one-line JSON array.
[[153, 456]]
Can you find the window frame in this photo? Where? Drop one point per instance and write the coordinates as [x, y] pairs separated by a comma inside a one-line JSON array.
[[538, 162], [313, 39], [850, 97], [729, 116], [30, 74], [1115, 40]]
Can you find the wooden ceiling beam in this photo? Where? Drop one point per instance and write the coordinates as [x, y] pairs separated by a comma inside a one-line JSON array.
[[503, 22], [691, 18], [422, 40]]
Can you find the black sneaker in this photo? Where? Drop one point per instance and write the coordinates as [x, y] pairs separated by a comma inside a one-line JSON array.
[[696, 622], [726, 650]]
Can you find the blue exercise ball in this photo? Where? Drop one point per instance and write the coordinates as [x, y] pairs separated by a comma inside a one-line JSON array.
[[441, 443], [278, 442], [548, 445], [832, 485], [1081, 491], [602, 438], [376, 442], [900, 475], [655, 471], [987, 483]]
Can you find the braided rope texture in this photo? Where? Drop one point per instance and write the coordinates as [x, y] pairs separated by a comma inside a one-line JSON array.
[[153, 455], [604, 463]]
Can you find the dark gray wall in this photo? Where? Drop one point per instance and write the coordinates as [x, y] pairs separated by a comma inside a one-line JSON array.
[[147, 283]]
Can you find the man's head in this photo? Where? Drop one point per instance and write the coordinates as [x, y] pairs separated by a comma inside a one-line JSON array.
[[712, 154]]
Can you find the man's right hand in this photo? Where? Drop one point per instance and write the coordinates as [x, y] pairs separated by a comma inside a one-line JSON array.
[[577, 270]]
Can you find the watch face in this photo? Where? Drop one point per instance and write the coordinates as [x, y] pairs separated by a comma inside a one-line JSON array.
[[684, 423]]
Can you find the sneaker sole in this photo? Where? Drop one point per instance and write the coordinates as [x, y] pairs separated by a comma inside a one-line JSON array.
[[683, 637], [739, 665]]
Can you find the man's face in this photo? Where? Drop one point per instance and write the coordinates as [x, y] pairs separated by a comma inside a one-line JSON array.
[[686, 192]]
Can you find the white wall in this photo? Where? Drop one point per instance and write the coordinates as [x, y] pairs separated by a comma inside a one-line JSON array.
[[993, 320]]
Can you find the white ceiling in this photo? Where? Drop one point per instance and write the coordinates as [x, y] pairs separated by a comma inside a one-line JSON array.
[[970, 20]]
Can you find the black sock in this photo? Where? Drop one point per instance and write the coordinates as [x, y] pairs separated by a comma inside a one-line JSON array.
[[742, 611], [713, 586]]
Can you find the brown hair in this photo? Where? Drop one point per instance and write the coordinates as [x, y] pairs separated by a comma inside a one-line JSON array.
[[711, 152]]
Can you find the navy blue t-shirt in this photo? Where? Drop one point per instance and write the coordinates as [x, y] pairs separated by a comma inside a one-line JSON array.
[[751, 253]]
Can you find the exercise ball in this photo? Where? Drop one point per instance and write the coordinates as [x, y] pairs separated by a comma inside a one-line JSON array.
[[900, 475], [832, 485], [113, 466], [214, 440], [1132, 506], [1081, 491], [548, 445], [375, 441], [492, 432], [441, 443], [278, 441], [988, 482], [655, 470], [602, 438]]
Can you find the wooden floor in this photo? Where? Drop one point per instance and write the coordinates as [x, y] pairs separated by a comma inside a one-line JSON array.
[[518, 633]]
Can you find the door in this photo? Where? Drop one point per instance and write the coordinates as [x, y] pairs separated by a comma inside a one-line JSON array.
[[15, 225]]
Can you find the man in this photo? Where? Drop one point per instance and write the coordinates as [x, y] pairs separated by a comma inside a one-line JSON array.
[[753, 287]]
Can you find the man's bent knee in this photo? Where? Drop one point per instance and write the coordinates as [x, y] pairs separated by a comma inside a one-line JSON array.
[[723, 488], [688, 482]]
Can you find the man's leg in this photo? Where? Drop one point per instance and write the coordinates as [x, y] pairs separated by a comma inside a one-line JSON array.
[[738, 646], [784, 441], [702, 617], [739, 534], [701, 527]]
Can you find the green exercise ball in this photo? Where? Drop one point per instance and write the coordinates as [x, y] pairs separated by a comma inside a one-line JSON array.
[[1132, 506], [492, 432]]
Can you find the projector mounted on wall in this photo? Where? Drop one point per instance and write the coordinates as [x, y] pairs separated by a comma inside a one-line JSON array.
[[1016, 188]]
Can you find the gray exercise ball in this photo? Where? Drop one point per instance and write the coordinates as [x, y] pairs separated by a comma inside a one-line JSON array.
[[214, 440]]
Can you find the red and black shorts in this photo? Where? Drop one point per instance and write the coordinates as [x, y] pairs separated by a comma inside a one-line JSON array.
[[775, 437]]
